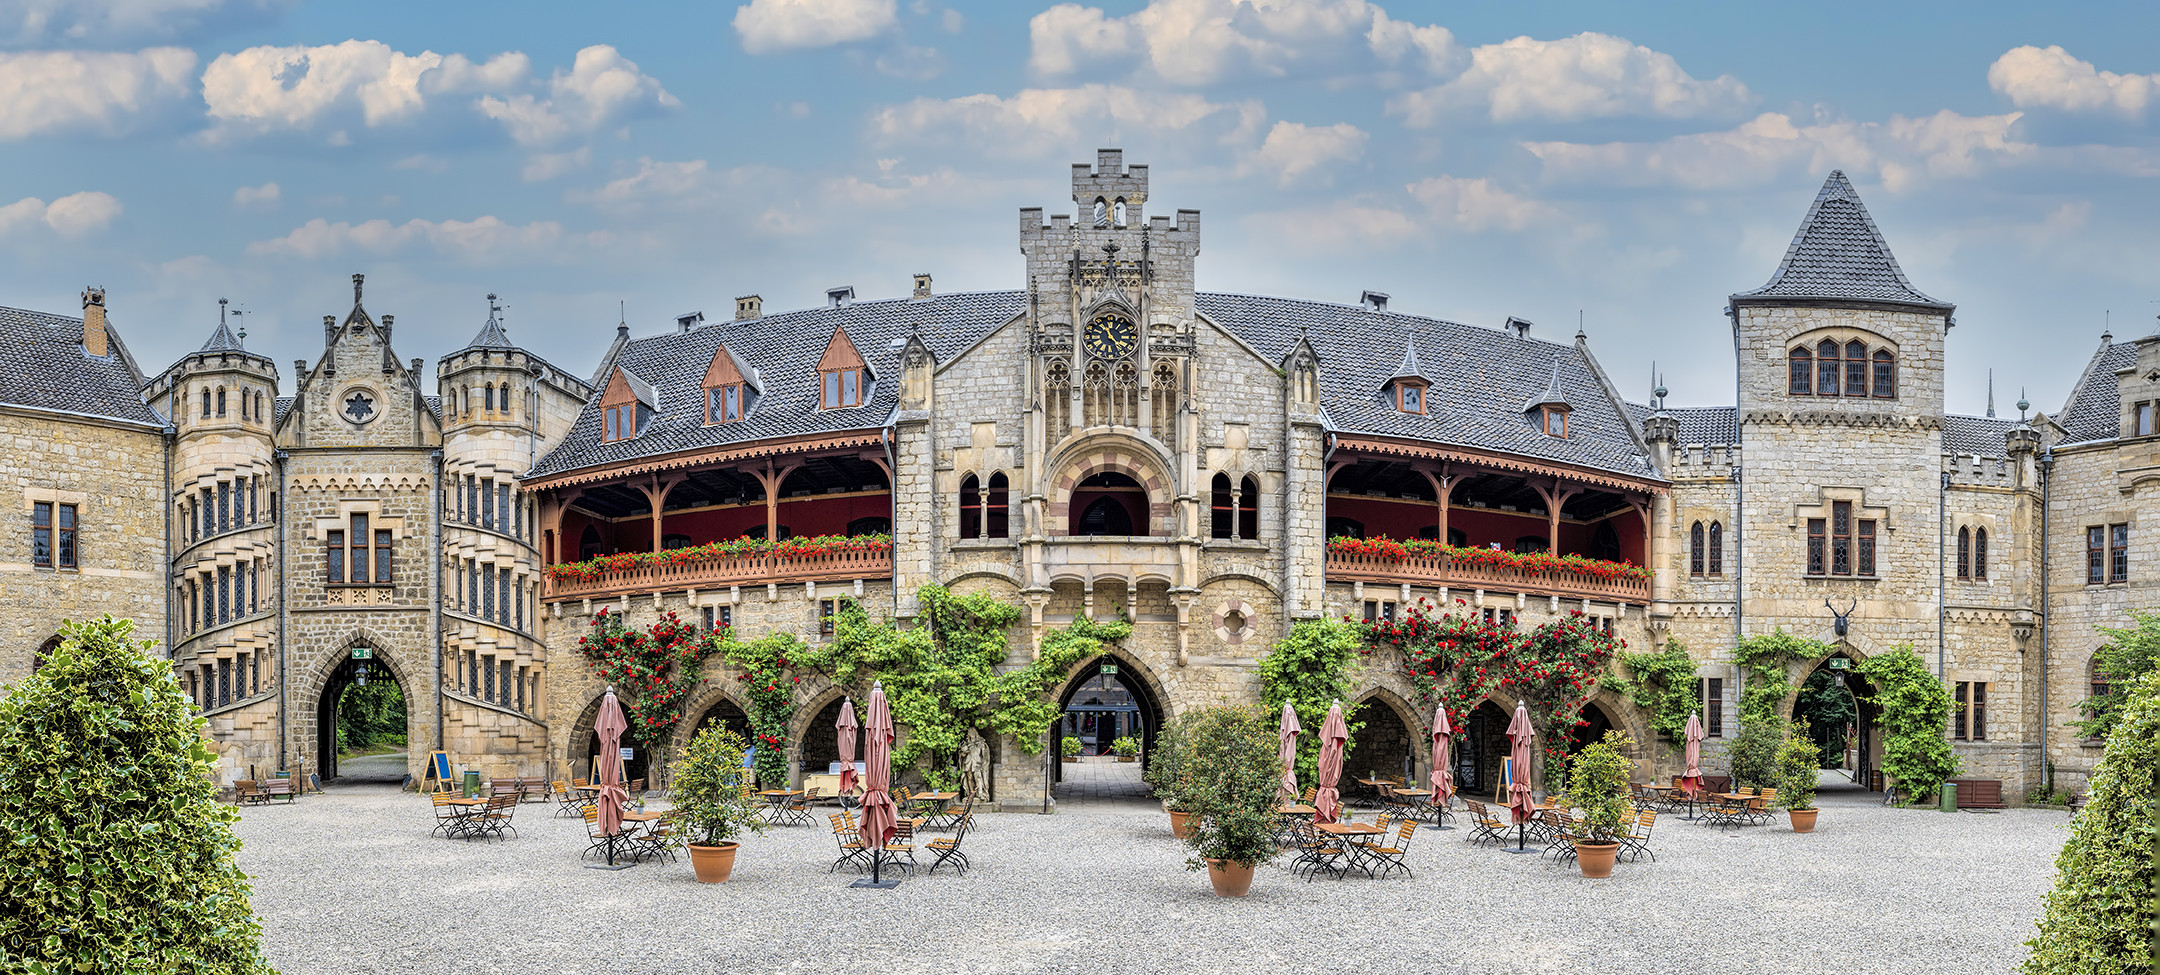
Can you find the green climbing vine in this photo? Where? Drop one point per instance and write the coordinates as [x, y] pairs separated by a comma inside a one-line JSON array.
[[1663, 685], [1766, 659], [1311, 668], [769, 687], [654, 670], [1915, 708]]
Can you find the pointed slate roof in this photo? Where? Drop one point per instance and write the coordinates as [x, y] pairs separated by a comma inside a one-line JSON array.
[[1552, 394], [45, 368], [1839, 253], [222, 340], [1409, 367], [491, 335]]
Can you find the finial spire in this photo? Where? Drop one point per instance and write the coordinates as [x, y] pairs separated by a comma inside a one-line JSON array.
[[356, 280], [2022, 404], [1991, 394]]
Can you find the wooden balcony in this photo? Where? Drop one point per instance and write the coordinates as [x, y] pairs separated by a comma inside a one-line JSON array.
[[1438, 571], [720, 573]]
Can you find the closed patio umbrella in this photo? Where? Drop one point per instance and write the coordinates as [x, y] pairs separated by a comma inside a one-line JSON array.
[[610, 726], [1520, 804], [1287, 793], [847, 728], [1443, 779], [1334, 735], [1691, 783], [879, 817]]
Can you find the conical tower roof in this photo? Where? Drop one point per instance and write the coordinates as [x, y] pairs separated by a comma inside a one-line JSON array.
[[222, 339], [1552, 395], [1839, 254], [491, 334], [1409, 367]]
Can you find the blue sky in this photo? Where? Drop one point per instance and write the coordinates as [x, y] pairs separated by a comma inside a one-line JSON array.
[[1628, 166]]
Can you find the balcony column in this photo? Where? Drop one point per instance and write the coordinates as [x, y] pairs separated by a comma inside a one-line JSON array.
[[1554, 496], [1442, 483], [770, 479]]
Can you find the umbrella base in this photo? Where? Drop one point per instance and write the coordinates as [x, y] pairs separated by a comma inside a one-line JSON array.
[[1522, 851], [887, 883], [609, 866]]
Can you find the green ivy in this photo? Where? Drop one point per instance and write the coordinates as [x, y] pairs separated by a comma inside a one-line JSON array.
[[2129, 655], [1915, 709], [1663, 684], [1752, 754], [118, 856], [1311, 668], [1767, 659], [2099, 918], [769, 688]]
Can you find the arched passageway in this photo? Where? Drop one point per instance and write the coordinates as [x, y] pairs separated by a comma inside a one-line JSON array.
[[1107, 697], [1384, 747], [726, 714], [1596, 722], [361, 721], [820, 745], [1480, 749], [1833, 700]]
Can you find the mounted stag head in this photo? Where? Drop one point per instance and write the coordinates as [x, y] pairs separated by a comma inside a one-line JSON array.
[[1844, 619]]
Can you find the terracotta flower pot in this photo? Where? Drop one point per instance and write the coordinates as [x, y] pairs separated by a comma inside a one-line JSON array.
[[1803, 820], [713, 864], [1178, 826], [1596, 859], [1230, 879], [1128, 758]]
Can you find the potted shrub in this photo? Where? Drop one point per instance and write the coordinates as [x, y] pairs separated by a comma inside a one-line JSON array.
[[712, 806], [1162, 773], [1598, 786], [1127, 748], [1227, 785], [1070, 748], [1797, 762]]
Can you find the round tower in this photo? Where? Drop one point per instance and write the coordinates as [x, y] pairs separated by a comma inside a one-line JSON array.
[[222, 400]]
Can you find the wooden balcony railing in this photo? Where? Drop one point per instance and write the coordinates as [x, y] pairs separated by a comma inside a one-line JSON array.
[[741, 570], [1439, 570]]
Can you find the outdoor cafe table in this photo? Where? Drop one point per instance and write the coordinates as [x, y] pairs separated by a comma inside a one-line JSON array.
[[1350, 832], [464, 818], [776, 810], [1417, 801], [1297, 809], [933, 806]]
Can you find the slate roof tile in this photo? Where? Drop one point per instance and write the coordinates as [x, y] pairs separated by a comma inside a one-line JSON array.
[[2094, 411], [1982, 435], [46, 368], [1838, 253]]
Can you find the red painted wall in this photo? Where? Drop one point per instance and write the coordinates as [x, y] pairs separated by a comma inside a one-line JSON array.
[[805, 516], [1482, 526]]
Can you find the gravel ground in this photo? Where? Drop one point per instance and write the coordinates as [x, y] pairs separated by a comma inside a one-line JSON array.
[[351, 881]]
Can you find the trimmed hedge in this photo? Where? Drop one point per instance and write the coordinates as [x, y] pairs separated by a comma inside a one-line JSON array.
[[2099, 917]]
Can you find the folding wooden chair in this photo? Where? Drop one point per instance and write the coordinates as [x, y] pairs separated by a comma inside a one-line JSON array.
[[850, 840], [947, 848], [1637, 841], [1483, 824], [1390, 858]]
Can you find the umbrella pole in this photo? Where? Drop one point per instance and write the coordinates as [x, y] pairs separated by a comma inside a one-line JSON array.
[[1522, 832]]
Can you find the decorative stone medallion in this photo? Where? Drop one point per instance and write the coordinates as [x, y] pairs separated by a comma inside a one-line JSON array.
[[1233, 621], [358, 406]]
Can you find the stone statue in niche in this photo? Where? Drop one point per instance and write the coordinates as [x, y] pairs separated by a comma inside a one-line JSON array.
[[975, 766]]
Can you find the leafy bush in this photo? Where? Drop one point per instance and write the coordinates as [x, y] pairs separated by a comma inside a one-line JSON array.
[[1797, 764], [1168, 762], [118, 855], [1753, 753], [2099, 918], [1915, 715], [711, 796], [1227, 783], [2129, 654], [1663, 684], [1070, 747], [1126, 746], [1598, 786], [1767, 659], [1311, 669]]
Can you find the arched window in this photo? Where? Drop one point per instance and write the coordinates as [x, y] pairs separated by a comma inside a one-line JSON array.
[[206, 402], [1826, 368], [1964, 556], [1856, 368], [1885, 374], [1717, 548], [1695, 550], [488, 391], [1106, 516], [1802, 372], [1102, 212], [1248, 508], [258, 406], [970, 507], [1220, 507], [1057, 401], [2097, 678], [1345, 527], [997, 508], [221, 401], [1979, 555], [1117, 212]]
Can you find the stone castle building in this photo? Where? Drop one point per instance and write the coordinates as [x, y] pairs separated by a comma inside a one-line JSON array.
[[1104, 439]]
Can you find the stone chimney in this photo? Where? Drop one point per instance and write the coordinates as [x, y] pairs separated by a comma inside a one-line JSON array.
[[94, 340], [840, 296], [1520, 327], [922, 286], [748, 307]]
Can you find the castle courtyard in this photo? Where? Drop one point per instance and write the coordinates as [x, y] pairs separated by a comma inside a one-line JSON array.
[[350, 881]]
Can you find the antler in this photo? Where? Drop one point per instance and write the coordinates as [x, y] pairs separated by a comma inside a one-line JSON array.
[[1855, 605]]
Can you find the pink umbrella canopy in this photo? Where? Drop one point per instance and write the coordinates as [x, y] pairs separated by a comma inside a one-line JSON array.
[[1692, 781], [1287, 793], [1443, 734], [879, 816], [610, 726], [847, 729], [1334, 736], [1519, 735]]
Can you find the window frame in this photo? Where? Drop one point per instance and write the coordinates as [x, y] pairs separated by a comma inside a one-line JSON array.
[[1716, 550], [1884, 373], [1800, 372], [1222, 507], [1697, 550], [1712, 696], [1829, 365], [2096, 555], [2118, 553], [1980, 555], [1856, 368], [2142, 419], [971, 506]]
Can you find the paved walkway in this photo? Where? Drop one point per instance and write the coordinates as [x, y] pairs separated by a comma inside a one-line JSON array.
[[388, 768], [1101, 780]]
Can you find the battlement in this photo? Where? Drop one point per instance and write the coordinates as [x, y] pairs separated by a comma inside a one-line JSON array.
[[1099, 190]]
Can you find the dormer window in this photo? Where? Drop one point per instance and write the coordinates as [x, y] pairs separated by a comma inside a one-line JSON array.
[[1555, 421], [626, 406], [843, 378], [1410, 396], [727, 388]]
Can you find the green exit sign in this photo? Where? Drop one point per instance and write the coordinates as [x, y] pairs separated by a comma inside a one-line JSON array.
[[363, 653], [1839, 663], [1110, 670]]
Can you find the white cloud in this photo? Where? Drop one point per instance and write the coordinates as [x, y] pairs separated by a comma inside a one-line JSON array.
[[2049, 77], [295, 87], [1588, 75], [1338, 227], [601, 89], [251, 195], [678, 184], [73, 215], [482, 239], [38, 22], [1291, 149], [1477, 205], [1036, 121], [545, 166], [1198, 42], [781, 25], [45, 92], [1901, 152]]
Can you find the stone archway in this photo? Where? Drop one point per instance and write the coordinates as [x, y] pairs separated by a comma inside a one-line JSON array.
[[1111, 454], [1142, 707], [1387, 744], [360, 660]]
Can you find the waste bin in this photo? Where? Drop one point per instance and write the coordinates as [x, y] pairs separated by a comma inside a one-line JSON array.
[[472, 783], [1949, 797]]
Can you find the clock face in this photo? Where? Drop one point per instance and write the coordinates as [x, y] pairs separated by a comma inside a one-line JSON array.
[[1111, 337]]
